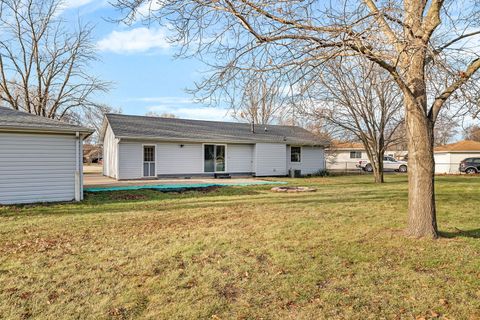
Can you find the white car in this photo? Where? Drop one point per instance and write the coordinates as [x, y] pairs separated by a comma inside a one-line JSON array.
[[389, 164]]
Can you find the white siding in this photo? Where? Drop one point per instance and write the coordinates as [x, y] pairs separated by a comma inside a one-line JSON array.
[[312, 160], [340, 160], [270, 159], [174, 158], [442, 163], [240, 158], [110, 149], [449, 162], [179, 158], [36, 168], [130, 160]]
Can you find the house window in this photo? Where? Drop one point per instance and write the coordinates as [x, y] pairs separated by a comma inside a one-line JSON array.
[[148, 153], [355, 155], [295, 154]]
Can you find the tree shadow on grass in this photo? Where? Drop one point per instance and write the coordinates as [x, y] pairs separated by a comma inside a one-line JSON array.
[[474, 233]]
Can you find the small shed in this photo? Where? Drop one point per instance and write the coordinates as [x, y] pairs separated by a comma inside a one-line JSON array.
[[40, 159], [449, 156]]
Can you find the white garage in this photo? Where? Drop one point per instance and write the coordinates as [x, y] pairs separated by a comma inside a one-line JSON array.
[[40, 159], [449, 156]]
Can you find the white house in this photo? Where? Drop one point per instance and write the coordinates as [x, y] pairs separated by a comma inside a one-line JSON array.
[[344, 156], [40, 159], [149, 147], [449, 156]]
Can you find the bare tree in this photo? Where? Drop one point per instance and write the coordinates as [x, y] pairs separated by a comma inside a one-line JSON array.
[[415, 41], [260, 100], [473, 133], [445, 130], [93, 118], [43, 65], [359, 98], [160, 115]]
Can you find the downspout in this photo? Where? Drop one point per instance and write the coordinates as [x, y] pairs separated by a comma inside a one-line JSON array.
[[78, 195]]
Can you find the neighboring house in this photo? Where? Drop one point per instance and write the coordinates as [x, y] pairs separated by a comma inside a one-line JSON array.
[[345, 156], [145, 147], [40, 159], [448, 157]]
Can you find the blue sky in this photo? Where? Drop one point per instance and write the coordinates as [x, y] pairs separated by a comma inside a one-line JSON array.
[[140, 63]]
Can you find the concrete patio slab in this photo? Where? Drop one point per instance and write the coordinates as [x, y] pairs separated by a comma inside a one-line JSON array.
[[94, 180]]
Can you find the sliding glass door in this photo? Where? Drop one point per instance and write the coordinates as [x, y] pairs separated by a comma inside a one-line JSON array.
[[214, 158]]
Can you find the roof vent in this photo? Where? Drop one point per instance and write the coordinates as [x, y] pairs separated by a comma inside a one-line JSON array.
[[266, 129], [253, 127]]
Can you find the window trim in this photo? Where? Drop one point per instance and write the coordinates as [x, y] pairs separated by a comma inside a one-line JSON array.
[[299, 154], [356, 153], [155, 158], [203, 156]]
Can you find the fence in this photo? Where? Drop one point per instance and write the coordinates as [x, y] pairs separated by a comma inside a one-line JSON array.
[[351, 167]]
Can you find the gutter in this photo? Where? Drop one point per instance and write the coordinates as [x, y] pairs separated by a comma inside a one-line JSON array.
[[86, 132], [297, 143]]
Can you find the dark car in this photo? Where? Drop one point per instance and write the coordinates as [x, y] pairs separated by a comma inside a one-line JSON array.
[[470, 165]]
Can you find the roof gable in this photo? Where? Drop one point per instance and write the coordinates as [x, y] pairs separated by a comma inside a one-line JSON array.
[[157, 128]]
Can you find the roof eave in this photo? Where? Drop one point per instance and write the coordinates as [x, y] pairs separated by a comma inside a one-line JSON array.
[[238, 141], [87, 132], [457, 151]]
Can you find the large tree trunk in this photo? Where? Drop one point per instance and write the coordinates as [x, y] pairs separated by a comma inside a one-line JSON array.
[[422, 220]]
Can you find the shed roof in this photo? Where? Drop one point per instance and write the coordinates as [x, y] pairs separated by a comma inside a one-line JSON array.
[[168, 129], [14, 120], [461, 146]]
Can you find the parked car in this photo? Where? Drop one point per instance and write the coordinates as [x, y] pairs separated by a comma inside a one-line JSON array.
[[389, 164], [470, 165]]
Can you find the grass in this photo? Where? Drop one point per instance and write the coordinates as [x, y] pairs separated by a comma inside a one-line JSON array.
[[244, 253]]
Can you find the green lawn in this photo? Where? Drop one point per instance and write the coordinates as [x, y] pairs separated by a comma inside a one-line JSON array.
[[244, 253]]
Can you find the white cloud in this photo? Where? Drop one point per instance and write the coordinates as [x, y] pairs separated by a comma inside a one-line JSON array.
[[74, 4], [135, 40], [70, 4], [149, 6], [194, 112], [166, 100]]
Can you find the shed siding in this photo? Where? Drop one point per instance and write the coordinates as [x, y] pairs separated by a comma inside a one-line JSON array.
[[177, 158], [130, 161], [312, 160], [110, 149], [36, 168], [240, 158], [270, 159]]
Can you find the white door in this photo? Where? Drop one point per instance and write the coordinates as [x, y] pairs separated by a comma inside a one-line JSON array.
[[149, 161]]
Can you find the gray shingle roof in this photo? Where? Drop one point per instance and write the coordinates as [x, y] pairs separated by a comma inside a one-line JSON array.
[[126, 126], [12, 119]]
